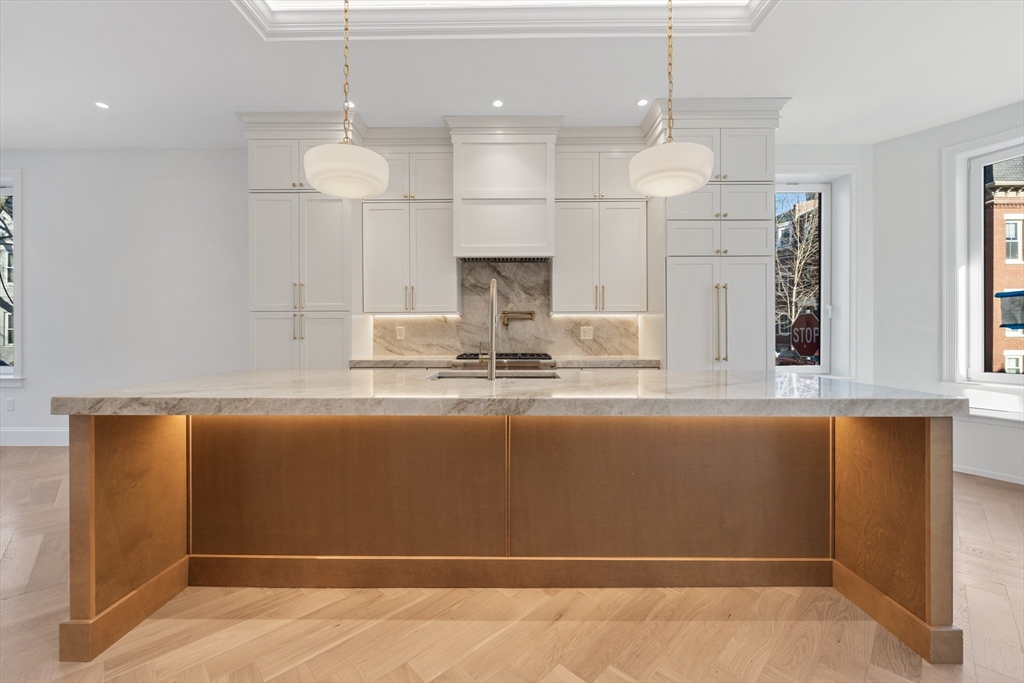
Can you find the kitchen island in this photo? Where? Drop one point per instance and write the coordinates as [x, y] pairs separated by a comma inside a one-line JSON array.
[[601, 477]]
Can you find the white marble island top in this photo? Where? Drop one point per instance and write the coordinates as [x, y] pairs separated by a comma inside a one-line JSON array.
[[578, 391]]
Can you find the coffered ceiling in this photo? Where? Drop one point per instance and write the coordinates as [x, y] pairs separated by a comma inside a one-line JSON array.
[[174, 72]]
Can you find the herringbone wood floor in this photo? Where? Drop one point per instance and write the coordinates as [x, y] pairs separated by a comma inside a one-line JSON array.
[[690, 634]]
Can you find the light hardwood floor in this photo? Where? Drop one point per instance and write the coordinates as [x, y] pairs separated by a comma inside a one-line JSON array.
[[690, 634]]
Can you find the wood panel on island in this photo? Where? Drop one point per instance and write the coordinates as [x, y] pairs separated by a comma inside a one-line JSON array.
[[165, 501]]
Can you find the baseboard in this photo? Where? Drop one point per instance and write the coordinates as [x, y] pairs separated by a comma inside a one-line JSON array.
[[18, 436], [989, 475], [502, 572]]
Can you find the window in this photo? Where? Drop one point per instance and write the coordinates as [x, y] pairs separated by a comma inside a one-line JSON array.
[[1014, 364], [802, 226], [9, 272], [1013, 240]]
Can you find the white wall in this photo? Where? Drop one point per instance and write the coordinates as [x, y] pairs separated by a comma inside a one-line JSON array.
[[135, 270]]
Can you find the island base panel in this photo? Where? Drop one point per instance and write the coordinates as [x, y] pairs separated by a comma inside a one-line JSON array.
[[128, 512]]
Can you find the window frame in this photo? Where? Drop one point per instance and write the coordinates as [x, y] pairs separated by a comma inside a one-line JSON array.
[[1018, 220], [825, 304], [963, 270], [13, 376]]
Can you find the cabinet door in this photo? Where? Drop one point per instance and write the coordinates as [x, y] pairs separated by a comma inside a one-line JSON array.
[[748, 238], [615, 176], [430, 175], [273, 252], [709, 137], [694, 238], [398, 177], [577, 175], [323, 341], [434, 274], [574, 274], [386, 258], [748, 202], [623, 270], [700, 205], [692, 307], [748, 308], [323, 254], [748, 154], [273, 164], [305, 146], [275, 341]]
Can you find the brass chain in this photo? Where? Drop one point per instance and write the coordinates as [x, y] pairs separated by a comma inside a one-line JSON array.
[[347, 124], [670, 121]]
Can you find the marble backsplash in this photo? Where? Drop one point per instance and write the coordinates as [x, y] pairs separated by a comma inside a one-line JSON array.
[[521, 287]]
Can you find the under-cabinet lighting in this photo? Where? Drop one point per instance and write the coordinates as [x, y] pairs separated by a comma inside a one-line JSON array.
[[103, 105]]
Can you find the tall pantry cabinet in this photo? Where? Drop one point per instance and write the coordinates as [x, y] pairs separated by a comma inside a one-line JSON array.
[[720, 253], [299, 290]]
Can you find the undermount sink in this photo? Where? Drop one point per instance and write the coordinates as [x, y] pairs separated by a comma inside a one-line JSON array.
[[500, 374]]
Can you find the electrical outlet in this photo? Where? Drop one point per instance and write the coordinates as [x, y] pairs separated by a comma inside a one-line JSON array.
[[586, 333], [10, 404], [400, 333]]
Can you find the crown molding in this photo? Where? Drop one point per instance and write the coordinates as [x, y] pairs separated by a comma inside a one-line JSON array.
[[746, 112], [503, 125], [447, 19]]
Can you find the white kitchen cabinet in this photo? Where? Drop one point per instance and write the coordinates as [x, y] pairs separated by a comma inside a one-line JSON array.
[[719, 313], [300, 341], [702, 204], [274, 252], [600, 261], [747, 154], [273, 164], [748, 202], [728, 237], [710, 138], [298, 258], [408, 265], [304, 146], [593, 175], [418, 175], [398, 177]]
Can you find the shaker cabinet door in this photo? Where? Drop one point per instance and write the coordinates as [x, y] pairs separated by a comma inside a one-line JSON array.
[[710, 138], [700, 205], [748, 308], [273, 164], [574, 268], [323, 254], [747, 202], [386, 257], [323, 341], [275, 341], [748, 154], [430, 175], [692, 306], [623, 268], [615, 176], [577, 175], [434, 270], [273, 252]]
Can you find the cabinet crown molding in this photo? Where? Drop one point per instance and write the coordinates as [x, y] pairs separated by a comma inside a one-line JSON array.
[[730, 112], [503, 125]]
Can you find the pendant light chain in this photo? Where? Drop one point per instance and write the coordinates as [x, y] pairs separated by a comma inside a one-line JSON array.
[[348, 124], [669, 70]]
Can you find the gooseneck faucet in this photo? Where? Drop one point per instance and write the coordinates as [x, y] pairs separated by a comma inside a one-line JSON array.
[[492, 355]]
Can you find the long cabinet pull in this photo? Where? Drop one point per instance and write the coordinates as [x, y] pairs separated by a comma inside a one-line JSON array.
[[295, 335], [726, 288], [405, 298], [295, 287], [302, 326], [302, 295], [602, 298], [412, 298], [597, 305], [718, 328]]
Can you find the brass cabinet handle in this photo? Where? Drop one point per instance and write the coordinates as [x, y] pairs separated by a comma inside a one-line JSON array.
[[293, 184], [725, 215], [412, 298], [302, 326], [301, 185], [725, 251], [405, 298], [295, 335], [406, 195], [726, 288], [718, 335], [595, 194], [724, 176], [602, 194], [412, 196], [718, 251], [718, 215], [602, 298], [597, 306], [718, 175], [295, 286], [302, 295]]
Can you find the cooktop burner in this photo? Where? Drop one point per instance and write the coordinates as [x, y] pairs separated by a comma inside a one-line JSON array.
[[507, 356]]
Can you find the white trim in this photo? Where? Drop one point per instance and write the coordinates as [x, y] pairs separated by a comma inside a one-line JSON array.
[[446, 19], [18, 436], [17, 373], [954, 251]]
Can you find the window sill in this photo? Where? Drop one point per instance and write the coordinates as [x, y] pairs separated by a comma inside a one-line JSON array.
[[11, 382], [1001, 417]]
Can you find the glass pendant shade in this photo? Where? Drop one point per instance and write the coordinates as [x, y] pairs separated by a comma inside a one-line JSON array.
[[671, 169], [346, 170]]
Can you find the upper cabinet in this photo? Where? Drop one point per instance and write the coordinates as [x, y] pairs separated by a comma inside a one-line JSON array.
[[418, 175], [741, 154], [600, 262], [593, 175], [741, 202], [298, 259], [277, 164]]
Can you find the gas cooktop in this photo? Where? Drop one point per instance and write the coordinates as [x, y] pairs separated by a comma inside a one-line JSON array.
[[522, 361], [507, 356]]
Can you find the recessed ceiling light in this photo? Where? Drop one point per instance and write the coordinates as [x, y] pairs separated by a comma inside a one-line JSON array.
[[102, 105], [497, 103], [641, 103]]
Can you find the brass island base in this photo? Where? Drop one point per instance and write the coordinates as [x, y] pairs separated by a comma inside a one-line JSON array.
[[162, 502]]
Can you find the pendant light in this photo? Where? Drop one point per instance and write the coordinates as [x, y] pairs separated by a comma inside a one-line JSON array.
[[671, 168], [343, 169]]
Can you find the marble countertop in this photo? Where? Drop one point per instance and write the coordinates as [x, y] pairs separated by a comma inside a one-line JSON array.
[[579, 391], [560, 361]]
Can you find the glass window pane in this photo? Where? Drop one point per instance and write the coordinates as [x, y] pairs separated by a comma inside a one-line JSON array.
[[7, 209], [798, 278], [1004, 194]]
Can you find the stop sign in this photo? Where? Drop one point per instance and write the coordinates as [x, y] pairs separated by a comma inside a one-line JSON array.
[[806, 334]]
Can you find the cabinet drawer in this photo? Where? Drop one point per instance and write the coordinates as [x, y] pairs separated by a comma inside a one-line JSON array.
[[748, 238], [693, 238], [747, 202]]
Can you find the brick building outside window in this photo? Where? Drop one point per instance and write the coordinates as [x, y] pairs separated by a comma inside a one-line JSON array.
[[1004, 260]]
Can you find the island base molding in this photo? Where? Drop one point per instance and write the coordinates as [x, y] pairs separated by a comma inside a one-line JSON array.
[[504, 572], [161, 502]]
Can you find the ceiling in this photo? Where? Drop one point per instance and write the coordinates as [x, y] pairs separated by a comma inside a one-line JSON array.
[[175, 71]]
